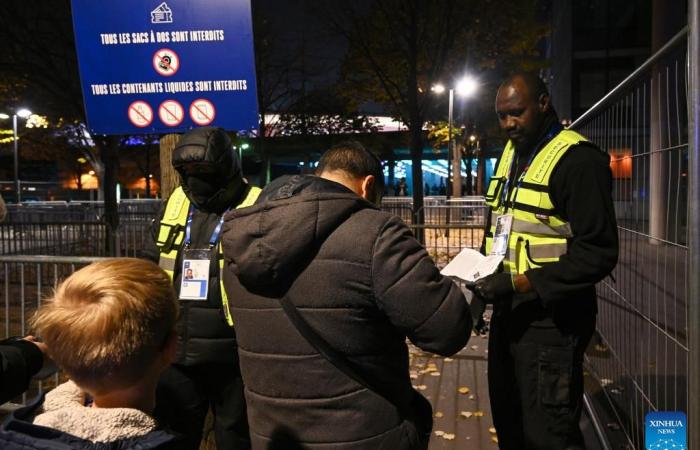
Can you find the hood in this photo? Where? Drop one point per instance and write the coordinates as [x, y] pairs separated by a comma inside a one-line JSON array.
[[217, 180], [268, 244]]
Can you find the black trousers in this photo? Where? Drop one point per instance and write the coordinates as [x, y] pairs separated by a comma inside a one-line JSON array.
[[535, 379], [185, 394]]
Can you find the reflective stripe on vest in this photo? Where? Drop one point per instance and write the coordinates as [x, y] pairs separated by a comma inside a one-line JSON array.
[[172, 233], [539, 235]]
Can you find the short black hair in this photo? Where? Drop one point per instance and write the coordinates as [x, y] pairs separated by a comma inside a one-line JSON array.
[[534, 83], [353, 158]]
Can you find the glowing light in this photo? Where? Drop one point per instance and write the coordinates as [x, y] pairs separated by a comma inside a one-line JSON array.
[[37, 121], [24, 113], [92, 172], [438, 88], [4, 116], [82, 160], [467, 86]]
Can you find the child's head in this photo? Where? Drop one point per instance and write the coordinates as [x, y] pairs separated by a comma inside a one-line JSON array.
[[108, 323]]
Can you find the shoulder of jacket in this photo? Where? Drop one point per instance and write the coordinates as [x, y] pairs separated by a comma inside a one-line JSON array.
[[176, 207]]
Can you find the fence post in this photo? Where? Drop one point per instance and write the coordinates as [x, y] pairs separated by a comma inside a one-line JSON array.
[[693, 224]]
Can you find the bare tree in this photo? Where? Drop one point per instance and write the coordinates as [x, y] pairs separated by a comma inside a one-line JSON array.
[[397, 49]]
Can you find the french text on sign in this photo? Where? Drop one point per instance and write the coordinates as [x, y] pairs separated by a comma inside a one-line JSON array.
[[166, 62], [171, 113], [202, 112], [140, 114]]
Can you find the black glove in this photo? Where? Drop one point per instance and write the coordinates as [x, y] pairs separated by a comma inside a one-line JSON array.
[[477, 308], [493, 287]]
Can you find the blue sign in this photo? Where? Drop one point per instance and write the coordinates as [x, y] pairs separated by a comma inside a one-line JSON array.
[[154, 66], [665, 430]]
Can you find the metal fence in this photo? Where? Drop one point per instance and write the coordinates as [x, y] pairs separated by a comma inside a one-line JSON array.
[[75, 228], [642, 359], [25, 281]]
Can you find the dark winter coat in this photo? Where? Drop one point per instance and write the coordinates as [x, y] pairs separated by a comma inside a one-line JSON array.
[[364, 284], [204, 337], [19, 361]]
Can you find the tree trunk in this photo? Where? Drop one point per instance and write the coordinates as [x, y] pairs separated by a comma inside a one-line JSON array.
[[148, 170], [667, 21], [110, 157], [416, 127], [169, 178]]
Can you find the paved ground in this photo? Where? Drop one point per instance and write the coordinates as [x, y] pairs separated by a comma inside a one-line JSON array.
[[458, 391]]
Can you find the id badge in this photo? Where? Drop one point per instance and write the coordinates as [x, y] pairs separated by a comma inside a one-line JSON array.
[[195, 274], [504, 224]]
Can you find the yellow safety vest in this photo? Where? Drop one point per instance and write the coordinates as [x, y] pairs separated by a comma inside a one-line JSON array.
[[172, 233], [538, 235]]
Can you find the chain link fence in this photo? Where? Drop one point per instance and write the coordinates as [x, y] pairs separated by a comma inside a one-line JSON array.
[[642, 356]]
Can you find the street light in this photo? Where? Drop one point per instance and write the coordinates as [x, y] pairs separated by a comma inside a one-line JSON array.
[[465, 87], [22, 113]]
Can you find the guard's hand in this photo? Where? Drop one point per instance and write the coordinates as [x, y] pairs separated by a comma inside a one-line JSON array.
[[477, 308], [493, 287]]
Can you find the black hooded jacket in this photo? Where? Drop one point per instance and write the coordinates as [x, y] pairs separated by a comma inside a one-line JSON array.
[[362, 281], [203, 334]]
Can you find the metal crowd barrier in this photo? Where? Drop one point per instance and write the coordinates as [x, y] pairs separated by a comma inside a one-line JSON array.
[[440, 210], [75, 228], [25, 282], [642, 357]]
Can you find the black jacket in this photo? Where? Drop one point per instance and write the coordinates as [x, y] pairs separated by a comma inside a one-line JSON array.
[[203, 334], [19, 433], [19, 361], [364, 284]]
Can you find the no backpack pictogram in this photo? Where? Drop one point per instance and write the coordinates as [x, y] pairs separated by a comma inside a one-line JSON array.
[[202, 112], [140, 114], [166, 62], [171, 113]]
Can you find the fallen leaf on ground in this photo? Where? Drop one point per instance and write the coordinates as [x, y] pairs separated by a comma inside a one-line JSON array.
[[434, 374], [439, 433], [474, 347], [492, 430], [464, 390], [420, 387], [472, 397], [448, 436], [478, 414], [494, 439], [466, 414], [438, 414]]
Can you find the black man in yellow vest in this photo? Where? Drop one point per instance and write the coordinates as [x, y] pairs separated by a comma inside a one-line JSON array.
[[206, 373], [552, 219]]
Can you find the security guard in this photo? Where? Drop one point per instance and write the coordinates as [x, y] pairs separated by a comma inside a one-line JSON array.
[[552, 219], [188, 240]]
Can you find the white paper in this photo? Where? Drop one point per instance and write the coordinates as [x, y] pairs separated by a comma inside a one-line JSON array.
[[470, 265]]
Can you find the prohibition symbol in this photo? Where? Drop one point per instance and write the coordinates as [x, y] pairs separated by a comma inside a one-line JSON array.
[[171, 113], [140, 114], [166, 62], [202, 112]]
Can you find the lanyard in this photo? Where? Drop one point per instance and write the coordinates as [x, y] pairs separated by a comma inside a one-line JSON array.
[[188, 229], [556, 128]]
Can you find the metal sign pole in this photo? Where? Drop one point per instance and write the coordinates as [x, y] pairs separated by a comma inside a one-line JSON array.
[[18, 188], [694, 224]]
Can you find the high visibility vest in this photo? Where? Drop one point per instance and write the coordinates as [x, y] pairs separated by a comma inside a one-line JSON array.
[[172, 233], [539, 235]]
